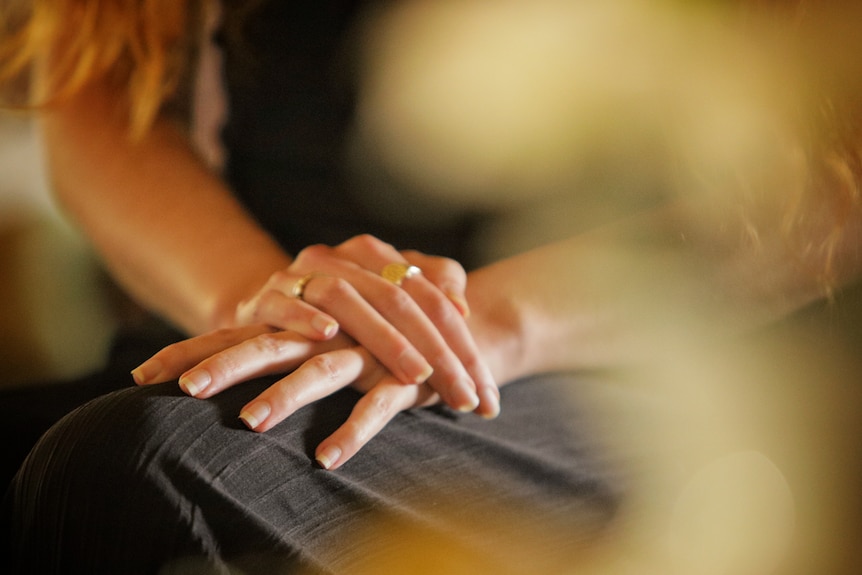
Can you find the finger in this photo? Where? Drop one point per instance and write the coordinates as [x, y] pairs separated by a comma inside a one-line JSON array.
[[371, 414], [366, 249], [171, 361], [448, 275], [330, 291], [267, 353], [315, 379], [291, 313], [448, 320], [451, 280], [360, 318], [390, 323], [460, 376], [427, 330], [373, 254], [279, 303]]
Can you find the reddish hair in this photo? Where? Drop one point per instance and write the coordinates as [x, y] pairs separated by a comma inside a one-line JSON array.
[[135, 44]]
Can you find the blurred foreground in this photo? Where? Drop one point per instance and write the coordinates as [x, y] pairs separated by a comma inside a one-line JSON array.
[[566, 115]]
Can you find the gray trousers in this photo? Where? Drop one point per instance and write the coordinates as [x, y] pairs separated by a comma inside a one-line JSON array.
[[147, 480]]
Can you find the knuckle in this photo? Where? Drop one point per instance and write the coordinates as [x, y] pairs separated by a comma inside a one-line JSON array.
[[332, 289], [268, 345], [324, 365], [354, 434], [266, 306], [224, 365], [311, 254], [285, 396], [367, 242], [444, 267], [376, 411], [441, 311], [452, 268], [355, 241], [279, 277], [380, 406], [399, 301]]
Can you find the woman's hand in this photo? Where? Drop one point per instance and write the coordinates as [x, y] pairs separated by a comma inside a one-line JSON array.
[[415, 329], [211, 363]]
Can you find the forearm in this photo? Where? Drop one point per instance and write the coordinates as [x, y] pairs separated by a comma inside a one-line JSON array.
[[166, 227], [608, 297], [544, 310]]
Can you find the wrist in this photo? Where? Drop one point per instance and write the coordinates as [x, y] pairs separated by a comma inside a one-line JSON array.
[[230, 308], [498, 327]]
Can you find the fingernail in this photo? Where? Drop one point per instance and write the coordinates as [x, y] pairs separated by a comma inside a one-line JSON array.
[[460, 303], [472, 401], [195, 381], [328, 456], [324, 325], [147, 371], [255, 413], [491, 401], [414, 366]]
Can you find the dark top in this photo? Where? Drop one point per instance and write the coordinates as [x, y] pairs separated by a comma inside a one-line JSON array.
[[291, 96]]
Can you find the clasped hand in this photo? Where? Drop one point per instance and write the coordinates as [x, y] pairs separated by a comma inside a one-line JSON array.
[[402, 346]]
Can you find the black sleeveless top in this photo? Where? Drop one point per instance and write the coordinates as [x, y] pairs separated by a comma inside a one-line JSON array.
[[291, 96]]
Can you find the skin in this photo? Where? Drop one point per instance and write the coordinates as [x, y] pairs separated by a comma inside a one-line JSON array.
[[564, 306], [555, 308], [316, 369], [165, 227]]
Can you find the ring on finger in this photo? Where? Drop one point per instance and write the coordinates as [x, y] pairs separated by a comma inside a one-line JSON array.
[[299, 287], [397, 272]]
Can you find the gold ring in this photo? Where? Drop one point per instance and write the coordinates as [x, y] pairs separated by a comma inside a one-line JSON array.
[[299, 287], [398, 272]]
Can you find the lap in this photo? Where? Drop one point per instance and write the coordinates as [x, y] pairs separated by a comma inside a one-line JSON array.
[[147, 477]]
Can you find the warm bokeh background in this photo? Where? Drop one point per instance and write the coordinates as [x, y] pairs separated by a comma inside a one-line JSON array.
[[562, 115], [54, 320]]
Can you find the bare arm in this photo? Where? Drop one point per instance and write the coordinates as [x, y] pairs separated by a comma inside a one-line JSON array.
[[176, 239], [606, 297], [598, 300], [167, 228]]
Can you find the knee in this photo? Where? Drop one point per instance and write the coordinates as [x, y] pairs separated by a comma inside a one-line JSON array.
[[104, 439], [103, 466]]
